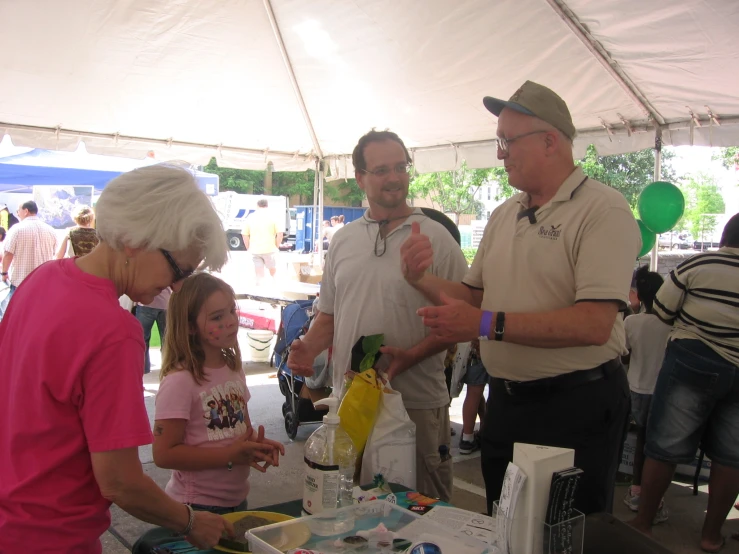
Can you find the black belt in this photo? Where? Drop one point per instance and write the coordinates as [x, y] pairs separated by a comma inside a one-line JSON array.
[[560, 382]]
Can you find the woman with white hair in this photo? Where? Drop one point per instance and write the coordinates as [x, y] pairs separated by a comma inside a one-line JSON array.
[[71, 399]]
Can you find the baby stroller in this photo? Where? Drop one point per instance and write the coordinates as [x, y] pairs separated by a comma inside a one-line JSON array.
[[296, 318]]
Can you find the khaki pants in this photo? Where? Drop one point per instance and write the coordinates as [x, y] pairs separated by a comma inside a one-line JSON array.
[[434, 475]]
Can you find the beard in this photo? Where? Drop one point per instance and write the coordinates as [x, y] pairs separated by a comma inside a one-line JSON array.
[[390, 203]]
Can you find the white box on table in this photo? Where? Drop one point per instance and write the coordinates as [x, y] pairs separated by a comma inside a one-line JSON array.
[[538, 464]]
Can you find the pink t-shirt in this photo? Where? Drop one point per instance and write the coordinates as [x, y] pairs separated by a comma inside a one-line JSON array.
[[215, 414], [71, 361]]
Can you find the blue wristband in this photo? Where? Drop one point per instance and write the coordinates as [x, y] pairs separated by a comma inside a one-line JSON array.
[[485, 322]]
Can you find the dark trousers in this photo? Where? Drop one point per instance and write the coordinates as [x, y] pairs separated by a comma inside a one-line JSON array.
[[592, 419]]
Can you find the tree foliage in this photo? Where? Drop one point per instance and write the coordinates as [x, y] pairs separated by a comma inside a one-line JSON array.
[[344, 191], [286, 183], [452, 192], [729, 157], [702, 198], [248, 181], [244, 181], [628, 173]]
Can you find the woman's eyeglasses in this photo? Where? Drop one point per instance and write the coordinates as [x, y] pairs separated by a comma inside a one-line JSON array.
[[179, 273]]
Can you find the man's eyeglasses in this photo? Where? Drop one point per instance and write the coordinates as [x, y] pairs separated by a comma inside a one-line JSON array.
[[504, 143], [384, 171], [179, 273]]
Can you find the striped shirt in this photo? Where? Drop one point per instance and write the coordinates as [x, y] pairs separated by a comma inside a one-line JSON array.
[[701, 301], [32, 242]]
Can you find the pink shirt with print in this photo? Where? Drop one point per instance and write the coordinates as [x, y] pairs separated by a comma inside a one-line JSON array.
[[215, 414], [71, 362]]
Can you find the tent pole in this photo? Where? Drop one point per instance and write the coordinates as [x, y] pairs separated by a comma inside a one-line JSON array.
[[319, 213], [293, 79], [316, 188], [654, 262]]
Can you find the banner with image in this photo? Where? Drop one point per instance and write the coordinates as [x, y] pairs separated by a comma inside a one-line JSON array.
[[56, 204]]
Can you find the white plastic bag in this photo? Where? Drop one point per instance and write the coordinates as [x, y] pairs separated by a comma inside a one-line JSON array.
[[459, 367], [125, 302], [391, 447]]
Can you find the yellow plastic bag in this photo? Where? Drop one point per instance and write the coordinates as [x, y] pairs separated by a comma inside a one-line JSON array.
[[359, 407]]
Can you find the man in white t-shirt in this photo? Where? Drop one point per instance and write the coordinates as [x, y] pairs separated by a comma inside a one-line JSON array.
[[363, 293]]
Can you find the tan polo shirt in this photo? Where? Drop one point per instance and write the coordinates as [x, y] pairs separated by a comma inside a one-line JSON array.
[[581, 247]]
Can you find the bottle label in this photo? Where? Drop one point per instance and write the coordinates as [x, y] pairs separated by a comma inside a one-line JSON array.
[[321, 489]]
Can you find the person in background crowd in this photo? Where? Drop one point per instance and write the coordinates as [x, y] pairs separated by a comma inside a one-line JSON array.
[[543, 294], [474, 401], [62, 471], [82, 239], [325, 234], [262, 238], [7, 219], [29, 244], [362, 294], [148, 314], [646, 339], [696, 398]]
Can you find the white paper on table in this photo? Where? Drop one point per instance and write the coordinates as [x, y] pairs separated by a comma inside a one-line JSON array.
[[470, 524], [513, 482]]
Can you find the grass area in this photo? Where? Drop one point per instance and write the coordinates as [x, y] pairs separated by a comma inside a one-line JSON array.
[[469, 254], [155, 341]]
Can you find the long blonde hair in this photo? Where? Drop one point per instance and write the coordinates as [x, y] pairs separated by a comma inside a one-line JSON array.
[[182, 348]]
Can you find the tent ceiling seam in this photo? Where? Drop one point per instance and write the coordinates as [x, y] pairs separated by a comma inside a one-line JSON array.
[[293, 78], [116, 137], [605, 59]]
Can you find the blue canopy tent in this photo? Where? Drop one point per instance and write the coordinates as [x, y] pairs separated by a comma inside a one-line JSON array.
[[19, 173]]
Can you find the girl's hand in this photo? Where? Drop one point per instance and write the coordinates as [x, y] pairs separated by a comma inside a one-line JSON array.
[[247, 451], [278, 447]]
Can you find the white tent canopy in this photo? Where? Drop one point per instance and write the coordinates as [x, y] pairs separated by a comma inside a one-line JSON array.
[[293, 81]]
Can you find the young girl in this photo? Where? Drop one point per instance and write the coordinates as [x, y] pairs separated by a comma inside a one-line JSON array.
[[646, 339], [199, 432]]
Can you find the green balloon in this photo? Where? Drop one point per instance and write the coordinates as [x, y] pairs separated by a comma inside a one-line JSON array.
[[661, 205], [648, 238]]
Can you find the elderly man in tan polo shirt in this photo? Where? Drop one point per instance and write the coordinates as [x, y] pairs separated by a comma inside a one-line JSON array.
[[543, 295]]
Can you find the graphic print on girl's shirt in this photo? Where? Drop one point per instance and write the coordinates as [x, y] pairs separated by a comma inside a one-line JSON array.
[[223, 410]]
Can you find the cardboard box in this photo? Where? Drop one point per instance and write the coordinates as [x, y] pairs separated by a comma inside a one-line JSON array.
[[310, 274], [314, 394]]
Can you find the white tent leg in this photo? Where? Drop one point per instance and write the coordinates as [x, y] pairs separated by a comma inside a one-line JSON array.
[[654, 263], [319, 212], [315, 210]]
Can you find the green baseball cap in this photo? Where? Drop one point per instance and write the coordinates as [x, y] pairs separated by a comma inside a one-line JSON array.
[[534, 99]]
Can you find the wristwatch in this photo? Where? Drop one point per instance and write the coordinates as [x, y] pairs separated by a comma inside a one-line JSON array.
[[485, 323], [499, 325]]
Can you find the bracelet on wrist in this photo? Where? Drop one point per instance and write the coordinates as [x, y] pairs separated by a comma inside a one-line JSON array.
[[190, 522]]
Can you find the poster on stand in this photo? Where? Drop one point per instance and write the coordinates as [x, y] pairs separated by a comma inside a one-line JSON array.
[[56, 204]]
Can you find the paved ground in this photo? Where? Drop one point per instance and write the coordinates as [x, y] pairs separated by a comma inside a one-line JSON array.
[[680, 533]]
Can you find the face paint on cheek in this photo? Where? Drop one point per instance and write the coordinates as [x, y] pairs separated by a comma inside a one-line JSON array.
[[215, 331]]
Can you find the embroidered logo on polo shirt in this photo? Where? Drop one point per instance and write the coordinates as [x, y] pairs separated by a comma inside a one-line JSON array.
[[552, 232]]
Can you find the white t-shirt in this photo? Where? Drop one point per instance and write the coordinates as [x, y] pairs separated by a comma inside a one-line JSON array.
[[368, 295], [646, 337]]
